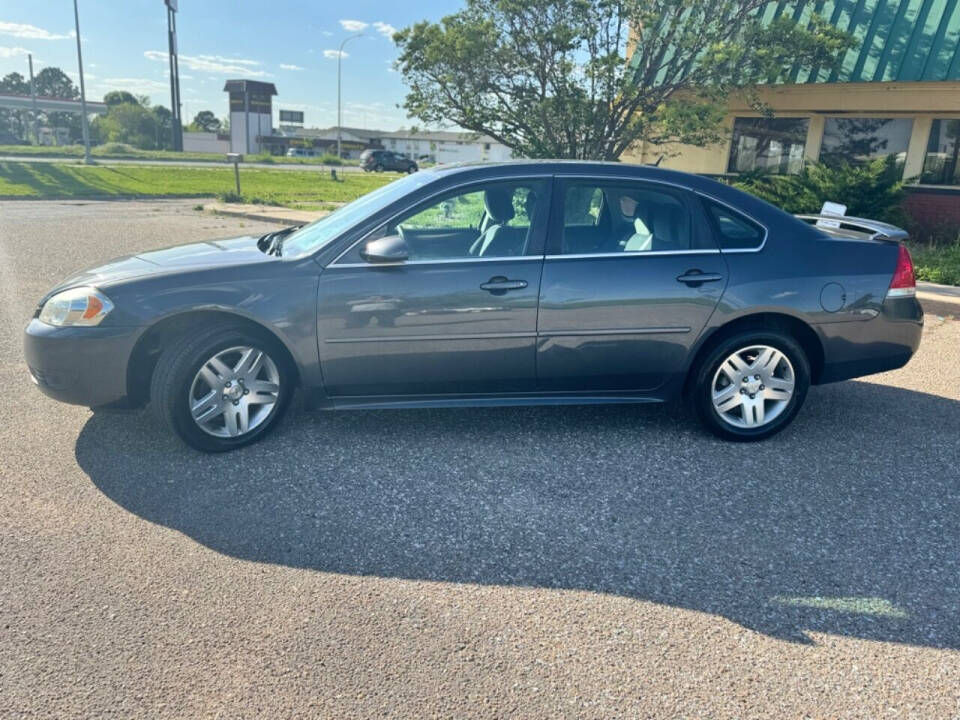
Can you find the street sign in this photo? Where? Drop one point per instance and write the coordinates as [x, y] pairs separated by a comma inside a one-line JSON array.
[[293, 117]]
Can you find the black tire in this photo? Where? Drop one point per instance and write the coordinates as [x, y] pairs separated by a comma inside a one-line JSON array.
[[412, 168], [379, 168], [702, 389], [179, 364]]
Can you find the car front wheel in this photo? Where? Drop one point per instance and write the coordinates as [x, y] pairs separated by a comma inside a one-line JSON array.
[[222, 388], [751, 385]]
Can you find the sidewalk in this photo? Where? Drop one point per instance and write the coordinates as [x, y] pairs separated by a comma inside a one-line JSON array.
[[267, 213], [939, 299]]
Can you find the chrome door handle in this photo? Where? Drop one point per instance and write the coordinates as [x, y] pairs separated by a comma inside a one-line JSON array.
[[695, 277], [501, 284]]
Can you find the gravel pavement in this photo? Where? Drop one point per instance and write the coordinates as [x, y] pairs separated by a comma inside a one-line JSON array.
[[515, 562]]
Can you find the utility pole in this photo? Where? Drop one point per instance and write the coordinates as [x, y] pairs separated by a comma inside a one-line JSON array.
[[339, 60], [33, 94], [176, 121], [83, 92]]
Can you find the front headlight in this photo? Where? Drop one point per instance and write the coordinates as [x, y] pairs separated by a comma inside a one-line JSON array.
[[77, 306]]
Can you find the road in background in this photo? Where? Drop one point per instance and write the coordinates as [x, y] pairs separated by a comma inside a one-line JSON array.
[[592, 562], [182, 163]]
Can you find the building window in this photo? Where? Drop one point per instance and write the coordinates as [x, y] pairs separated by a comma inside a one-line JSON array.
[[940, 165], [773, 145], [854, 141]]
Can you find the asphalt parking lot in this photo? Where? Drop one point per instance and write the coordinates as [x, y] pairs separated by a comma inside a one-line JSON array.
[[531, 562]]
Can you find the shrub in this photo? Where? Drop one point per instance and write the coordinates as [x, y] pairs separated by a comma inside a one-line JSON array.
[[330, 159], [230, 197], [118, 148], [872, 190], [937, 264]]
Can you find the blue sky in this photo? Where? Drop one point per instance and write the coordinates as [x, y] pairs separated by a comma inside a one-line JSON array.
[[291, 43]]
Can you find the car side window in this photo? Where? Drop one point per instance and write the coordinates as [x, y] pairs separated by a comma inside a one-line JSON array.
[[734, 231], [486, 221], [628, 218]]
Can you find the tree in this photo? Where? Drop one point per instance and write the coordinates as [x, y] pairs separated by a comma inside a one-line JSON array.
[[15, 122], [164, 120], [129, 123], [117, 97], [551, 78], [53, 82], [206, 121]]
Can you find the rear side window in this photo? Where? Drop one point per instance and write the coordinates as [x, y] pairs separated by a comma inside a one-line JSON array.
[[734, 231], [627, 217]]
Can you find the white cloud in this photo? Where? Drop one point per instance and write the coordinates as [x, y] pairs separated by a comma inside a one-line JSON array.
[[137, 86], [30, 32], [334, 54], [9, 52], [354, 25], [385, 29], [289, 66], [222, 59], [212, 63]]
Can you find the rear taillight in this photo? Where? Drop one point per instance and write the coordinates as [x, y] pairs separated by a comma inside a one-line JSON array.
[[904, 284]]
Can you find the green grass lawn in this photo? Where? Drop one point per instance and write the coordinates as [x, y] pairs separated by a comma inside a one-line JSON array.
[[115, 152], [284, 187]]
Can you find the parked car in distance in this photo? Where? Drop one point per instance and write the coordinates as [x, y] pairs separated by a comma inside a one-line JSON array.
[[302, 153], [517, 283], [380, 160]]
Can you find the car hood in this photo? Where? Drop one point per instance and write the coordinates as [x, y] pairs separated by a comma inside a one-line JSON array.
[[212, 254]]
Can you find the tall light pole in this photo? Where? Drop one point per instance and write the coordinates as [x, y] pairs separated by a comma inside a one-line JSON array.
[[83, 92], [33, 94], [339, 60], [176, 120]]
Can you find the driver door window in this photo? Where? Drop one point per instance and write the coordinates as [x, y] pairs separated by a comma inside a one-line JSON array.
[[492, 221]]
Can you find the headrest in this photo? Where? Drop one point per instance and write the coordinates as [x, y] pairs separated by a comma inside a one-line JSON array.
[[530, 204], [499, 204]]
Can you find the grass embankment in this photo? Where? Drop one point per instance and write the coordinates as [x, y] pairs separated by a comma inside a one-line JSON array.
[[118, 151], [279, 187], [937, 264]]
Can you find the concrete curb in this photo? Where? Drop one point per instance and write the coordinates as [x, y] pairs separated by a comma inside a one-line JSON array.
[[266, 213]]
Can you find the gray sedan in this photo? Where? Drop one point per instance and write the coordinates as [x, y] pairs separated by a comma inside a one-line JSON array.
[[518, 283]]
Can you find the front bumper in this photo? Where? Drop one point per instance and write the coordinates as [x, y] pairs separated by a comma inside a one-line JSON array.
[[80, 365]]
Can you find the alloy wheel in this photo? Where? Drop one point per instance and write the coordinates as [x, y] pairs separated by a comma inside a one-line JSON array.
[[234, 392], [753, 386]]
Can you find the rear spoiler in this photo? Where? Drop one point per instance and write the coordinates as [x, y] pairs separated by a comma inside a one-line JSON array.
[[876, 229]]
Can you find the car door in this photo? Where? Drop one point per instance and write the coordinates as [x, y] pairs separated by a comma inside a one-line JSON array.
[[458, 316], [631, 276]]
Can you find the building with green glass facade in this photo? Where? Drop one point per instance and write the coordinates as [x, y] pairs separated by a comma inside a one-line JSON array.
[[897, 92]]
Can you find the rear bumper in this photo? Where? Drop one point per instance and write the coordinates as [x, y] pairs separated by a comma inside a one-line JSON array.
[[885, 342], [80, 365]]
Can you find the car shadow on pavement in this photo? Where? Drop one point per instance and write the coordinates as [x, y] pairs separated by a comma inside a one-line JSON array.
[[846, 523]]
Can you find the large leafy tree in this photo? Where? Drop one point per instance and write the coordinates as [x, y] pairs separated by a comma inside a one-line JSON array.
[[118, 97], [551, 78], [206, 121], [15, 122], [53, 82]]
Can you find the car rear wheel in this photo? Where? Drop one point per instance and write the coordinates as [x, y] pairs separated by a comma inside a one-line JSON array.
[[751, 385], [222, 388]]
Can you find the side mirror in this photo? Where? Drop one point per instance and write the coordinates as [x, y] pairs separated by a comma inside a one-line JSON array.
[[389, 249]]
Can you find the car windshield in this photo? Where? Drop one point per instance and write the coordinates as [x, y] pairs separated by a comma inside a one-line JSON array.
[[318, 234]]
